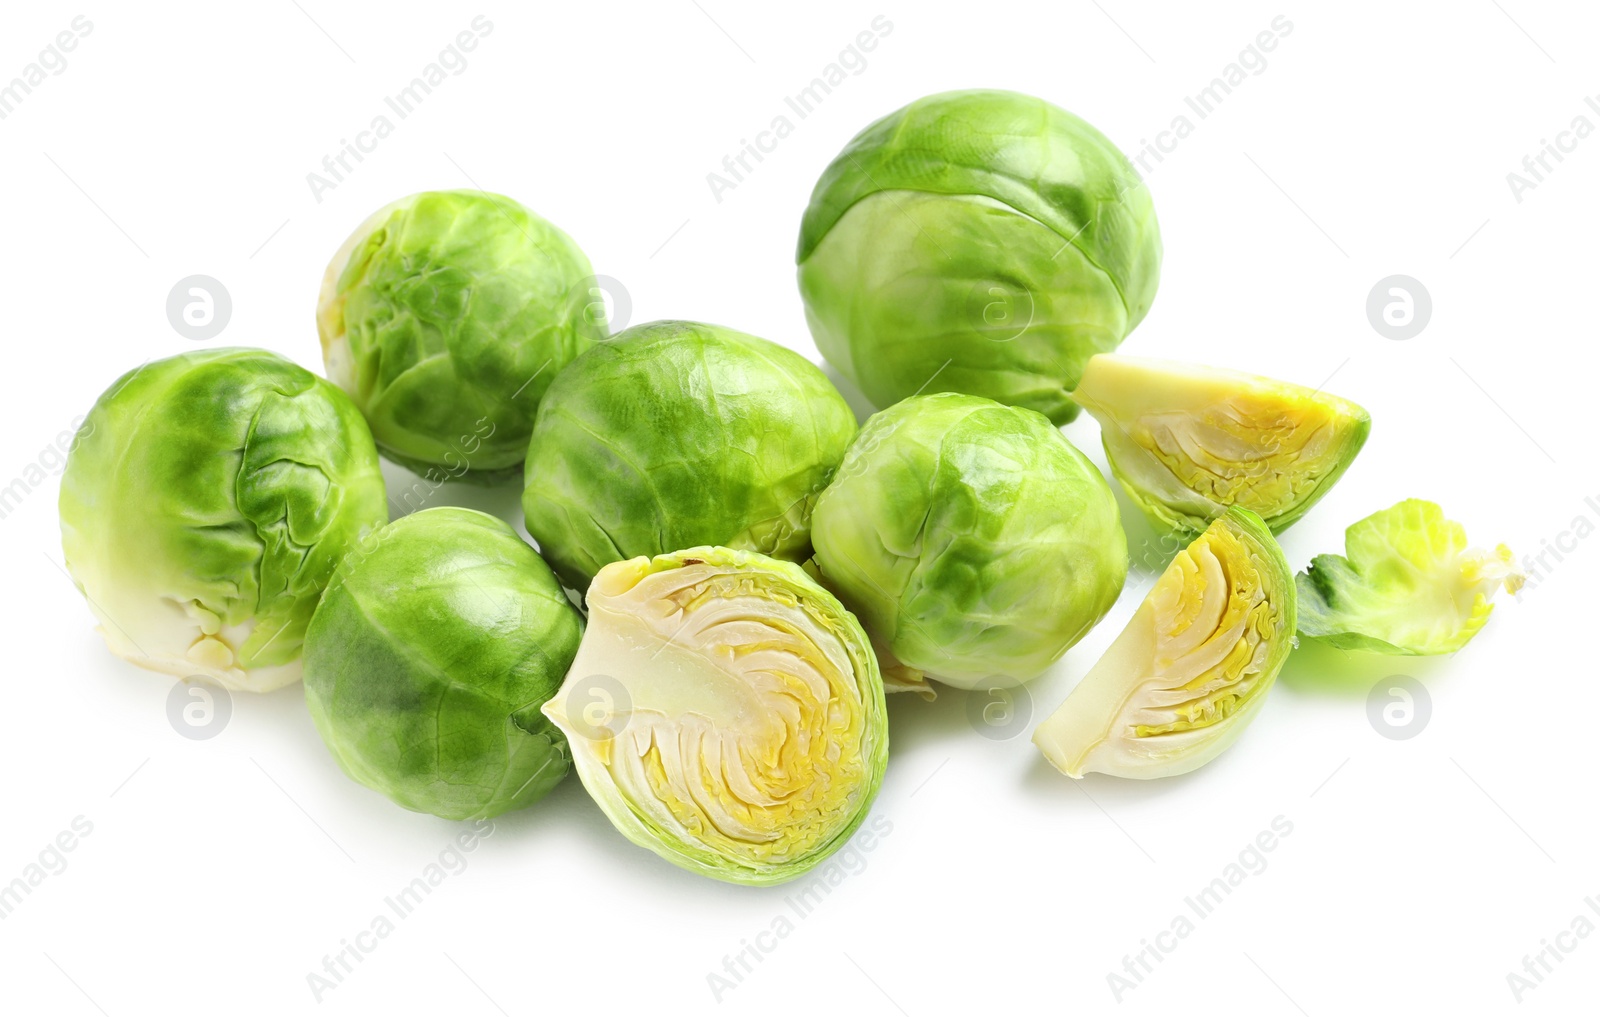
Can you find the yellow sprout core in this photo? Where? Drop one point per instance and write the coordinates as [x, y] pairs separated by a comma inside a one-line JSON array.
[[1190, 669], [738, 733]]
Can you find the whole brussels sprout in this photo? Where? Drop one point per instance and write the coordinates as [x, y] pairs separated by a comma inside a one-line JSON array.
[[204, 506], [971, 539], [446, 315], [725, 712], [676, 434], [982, 242], [429, 657]]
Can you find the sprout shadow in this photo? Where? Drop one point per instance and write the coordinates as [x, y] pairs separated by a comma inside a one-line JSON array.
[[914, 722], [1097, 791], [409, 492], [1149, 552], [1318, 669], [859, 404]]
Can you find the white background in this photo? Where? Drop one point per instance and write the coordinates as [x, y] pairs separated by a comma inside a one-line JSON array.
[[1376, 141]]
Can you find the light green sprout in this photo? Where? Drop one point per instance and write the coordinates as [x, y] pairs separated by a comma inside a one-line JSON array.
[[973, 541], [445, 316], [204, 506], [429, 658], [676, 434], [983, 242]]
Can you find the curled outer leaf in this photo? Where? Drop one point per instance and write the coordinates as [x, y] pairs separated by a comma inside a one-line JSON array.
[[1407, 584]]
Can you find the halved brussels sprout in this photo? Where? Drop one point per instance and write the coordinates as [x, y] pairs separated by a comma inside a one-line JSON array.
[[676, 434], [973, 541], [446, 315], [1406, 584], [204, 506], [429, 657], [1187, 442], [1193, 666], [981, 241], [725, 712]]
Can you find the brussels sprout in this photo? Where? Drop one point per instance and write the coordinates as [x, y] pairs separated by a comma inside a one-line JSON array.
[[971, 538], [725, 712], [445, 316], [676, 434], [204, 506], [1406, 585], [1193, 666], [429, 657], [1187, 442], [982, 242]]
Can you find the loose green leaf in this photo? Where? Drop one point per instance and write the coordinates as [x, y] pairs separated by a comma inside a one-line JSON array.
[[1407, 584]]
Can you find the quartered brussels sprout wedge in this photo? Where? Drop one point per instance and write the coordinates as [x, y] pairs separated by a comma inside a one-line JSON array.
[[974, 542], [1407, 584], [1192, 667], [979, 241], [726, 712], [1187, 442], [204, 506]]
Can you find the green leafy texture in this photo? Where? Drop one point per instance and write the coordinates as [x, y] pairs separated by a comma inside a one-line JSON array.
[[446, 316], [983, 242], [429, 657], [725, 712], [1186, 442], [1406, 585], [971, 538], [676, 434], [1192, 667], [204, 505]]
